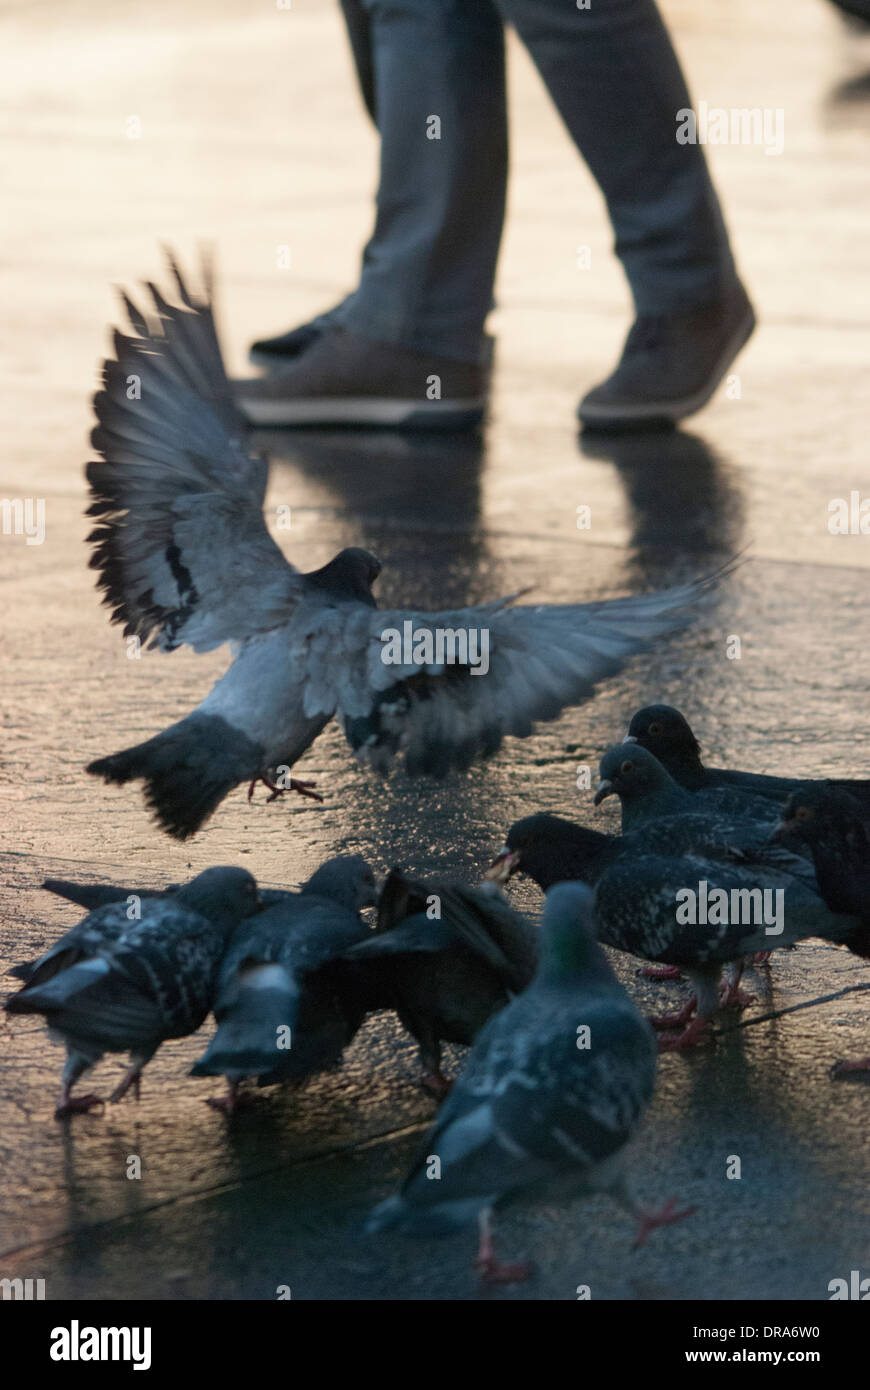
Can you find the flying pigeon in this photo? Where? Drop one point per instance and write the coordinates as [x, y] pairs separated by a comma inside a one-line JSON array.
[[648, 792], [114, 984], [280, 1017], [553, 1089], [445, 957], [668, 895], [665, 732], [834, 826], [184, 557]]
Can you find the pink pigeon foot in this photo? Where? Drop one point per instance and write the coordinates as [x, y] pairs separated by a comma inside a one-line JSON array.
[[733, 997], [696, 1035], [648, 1221], [660, 972], [677, 1020]]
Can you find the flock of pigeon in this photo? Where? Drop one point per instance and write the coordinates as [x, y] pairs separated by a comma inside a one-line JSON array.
[[562, 1064]]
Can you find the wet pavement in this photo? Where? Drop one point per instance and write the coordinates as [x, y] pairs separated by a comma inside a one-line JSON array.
[[251, 135]]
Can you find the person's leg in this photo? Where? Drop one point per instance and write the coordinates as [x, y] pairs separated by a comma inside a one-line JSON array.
[[278, 352], [428, 270], [615, 79], [407, 348]]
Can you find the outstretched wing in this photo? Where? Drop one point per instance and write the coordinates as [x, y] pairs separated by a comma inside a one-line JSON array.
[[402, 690], [180, 543]]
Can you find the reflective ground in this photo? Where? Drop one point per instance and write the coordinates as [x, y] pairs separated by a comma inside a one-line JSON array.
[[252, 136]]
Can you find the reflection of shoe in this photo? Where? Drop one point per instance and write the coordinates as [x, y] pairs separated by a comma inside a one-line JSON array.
[[343, 379], [671, 363]]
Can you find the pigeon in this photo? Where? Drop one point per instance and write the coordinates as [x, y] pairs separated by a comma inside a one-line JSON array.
[[833, 825], [447, 956], [648, 792], [114, 984], [553, 1089], [280, 1015], [184, 557], [666, 893], [664, 732]]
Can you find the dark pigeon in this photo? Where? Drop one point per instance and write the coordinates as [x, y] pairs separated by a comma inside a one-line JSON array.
[[832, 823], [114, 984], [647, 792], [281, 1015], [637, 879], [445, 975], [665, 732], [184, 556], [543, 1108]]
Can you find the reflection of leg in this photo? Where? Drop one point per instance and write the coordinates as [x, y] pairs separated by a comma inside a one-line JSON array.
[[616, 81]]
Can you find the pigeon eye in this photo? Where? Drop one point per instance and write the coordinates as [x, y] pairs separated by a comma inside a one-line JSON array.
[[655, 729], [626, 768], [803, 813]]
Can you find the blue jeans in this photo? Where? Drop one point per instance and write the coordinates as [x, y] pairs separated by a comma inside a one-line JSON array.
[[428, 270]]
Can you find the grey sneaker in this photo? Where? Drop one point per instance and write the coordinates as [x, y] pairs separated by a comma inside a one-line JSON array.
[[671, 363], [277, 353], [343, 379]]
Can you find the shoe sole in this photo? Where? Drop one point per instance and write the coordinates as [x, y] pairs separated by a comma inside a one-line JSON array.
[[669, 412], [363, 411]]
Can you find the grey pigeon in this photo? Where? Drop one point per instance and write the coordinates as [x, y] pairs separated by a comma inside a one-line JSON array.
[[665, 732], [648, 792], [553, 1089], [643, 878], [281, 1015], [445, 957], [834, 826], [116, 985], [184, 556]]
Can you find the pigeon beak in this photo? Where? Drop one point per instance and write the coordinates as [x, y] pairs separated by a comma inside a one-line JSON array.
[[506, 862], [629, 738], [605, 789]]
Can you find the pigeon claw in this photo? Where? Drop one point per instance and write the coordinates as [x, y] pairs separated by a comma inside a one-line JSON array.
[[493, 1271], [436, 1084], [733, 997], [76, 1105], [696, 1035], [294, 785], [648, 1221], [660, 972], [841, 1069], [761, 957], [677, 1020]]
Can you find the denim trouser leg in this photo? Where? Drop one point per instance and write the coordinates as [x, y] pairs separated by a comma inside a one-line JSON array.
[[614, 76], [428, 269]]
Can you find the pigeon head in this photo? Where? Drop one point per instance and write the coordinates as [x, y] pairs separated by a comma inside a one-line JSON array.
[[348, 880], [663, 731], [549, 850], [350, 575], [823, 815], [633, 774], [568, 946], [223, 895]]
